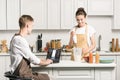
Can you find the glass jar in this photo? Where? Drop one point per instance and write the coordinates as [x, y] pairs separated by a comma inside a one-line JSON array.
[[58, 43], [53, 44]]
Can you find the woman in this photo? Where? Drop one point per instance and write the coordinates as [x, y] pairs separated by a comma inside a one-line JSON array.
[[21, 55], [82, 35]]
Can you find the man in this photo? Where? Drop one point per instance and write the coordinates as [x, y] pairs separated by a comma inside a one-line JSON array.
[[21, 55]]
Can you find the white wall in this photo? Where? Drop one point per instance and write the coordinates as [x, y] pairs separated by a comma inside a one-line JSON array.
[[102, 24]]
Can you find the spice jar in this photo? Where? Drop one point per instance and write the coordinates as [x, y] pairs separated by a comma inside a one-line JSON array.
[[53, 44], [58, 43]]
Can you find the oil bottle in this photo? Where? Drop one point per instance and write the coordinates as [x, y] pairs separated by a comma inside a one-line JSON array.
[[97, 58], [90, 57]]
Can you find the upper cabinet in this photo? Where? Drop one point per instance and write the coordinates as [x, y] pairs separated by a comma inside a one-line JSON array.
[[68, 10], [38, 10], [2, 14], [100, 7], [13, 14], [67, 14], [116, 15], [53, 14], [46, 13], [9, 14]]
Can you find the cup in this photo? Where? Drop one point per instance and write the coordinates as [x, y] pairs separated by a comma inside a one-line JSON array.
[[77, 54]]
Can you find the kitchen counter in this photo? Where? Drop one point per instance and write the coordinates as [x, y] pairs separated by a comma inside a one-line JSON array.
[[71, 70], [69, 63]]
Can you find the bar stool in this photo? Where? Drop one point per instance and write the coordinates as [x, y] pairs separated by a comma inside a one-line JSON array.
[[14, 77]]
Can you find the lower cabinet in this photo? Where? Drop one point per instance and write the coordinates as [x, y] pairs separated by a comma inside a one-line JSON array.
[[2, 69], [79, 73], [4, 64], [118, 68], [104, 74], [73, 73]]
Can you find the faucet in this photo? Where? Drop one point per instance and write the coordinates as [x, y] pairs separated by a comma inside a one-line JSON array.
[[99, 45]]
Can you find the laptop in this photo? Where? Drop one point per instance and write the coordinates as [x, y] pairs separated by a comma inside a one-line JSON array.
[[54, 54]]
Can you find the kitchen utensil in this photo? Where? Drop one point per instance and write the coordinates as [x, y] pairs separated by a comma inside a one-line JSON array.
[[39, 43]]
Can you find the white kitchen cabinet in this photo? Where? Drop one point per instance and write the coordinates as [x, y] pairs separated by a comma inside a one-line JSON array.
[[104, 74], [46, 13], [111, 76], [67, 14], [2, 14], [7, 63], [116, 14], [13, 14], [118, 68], [68, 10], [100, 7], [69, 70], [2, 67], [53, 14], [38, 10], [74, 73]]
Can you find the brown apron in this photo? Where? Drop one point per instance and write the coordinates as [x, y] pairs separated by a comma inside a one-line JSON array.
[[24, 70], [81, 41]]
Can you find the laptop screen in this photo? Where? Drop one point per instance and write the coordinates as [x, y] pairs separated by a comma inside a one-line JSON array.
[[54, 54]]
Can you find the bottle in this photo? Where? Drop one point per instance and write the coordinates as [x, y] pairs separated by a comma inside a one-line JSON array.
[[90, 57], [97, 58], [113, 47], [117, 45], [39, 43]]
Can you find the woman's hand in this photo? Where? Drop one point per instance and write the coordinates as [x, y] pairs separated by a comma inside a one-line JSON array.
[[85, 52]]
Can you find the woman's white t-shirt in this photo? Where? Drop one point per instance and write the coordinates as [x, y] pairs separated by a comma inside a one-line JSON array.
[[19, 49], [82, 30]]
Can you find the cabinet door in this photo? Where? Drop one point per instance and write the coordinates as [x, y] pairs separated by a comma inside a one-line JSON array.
[[74, 73], [100, 7], [7, 63], [116, 14], [118, 68], [53, 14], [2, 67], [13, 14], [67, 14], [105, 74], [38, 10], [2, 14]]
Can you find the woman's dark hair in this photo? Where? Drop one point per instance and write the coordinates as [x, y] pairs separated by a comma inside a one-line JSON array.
[[81, 11], [23, 19]]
